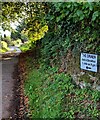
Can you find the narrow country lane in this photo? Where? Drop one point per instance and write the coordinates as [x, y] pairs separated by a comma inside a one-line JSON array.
[[9, 84]]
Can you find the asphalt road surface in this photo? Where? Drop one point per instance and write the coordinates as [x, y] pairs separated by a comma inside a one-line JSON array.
[[9, 75]]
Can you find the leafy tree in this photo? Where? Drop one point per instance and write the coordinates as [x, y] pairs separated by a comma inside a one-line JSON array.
[[32, 13], [11, 11], [18, 33], [71, 24]]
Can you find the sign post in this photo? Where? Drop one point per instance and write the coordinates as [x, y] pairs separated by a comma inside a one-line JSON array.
[[89, 62]]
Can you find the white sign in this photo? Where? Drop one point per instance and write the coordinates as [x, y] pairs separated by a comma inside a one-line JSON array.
[[89, 62]]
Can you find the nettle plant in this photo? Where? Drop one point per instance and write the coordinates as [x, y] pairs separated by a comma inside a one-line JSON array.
[[54, 95]]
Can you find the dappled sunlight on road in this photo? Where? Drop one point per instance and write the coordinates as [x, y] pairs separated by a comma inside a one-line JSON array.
[[6, 58]]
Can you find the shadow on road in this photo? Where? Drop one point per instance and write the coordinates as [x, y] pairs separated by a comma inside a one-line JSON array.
[[10, 80]]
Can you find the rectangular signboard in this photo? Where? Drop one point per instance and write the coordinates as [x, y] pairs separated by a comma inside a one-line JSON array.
[[89, 62]]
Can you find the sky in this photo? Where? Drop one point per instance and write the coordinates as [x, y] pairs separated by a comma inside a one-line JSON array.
[[14, 24]]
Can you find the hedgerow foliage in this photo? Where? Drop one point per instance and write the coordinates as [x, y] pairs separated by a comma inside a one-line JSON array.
[[52, 93], [73, 26]]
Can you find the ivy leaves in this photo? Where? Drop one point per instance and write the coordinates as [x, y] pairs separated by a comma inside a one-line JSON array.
[[72, 26], [95, 15], [80, 14]]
